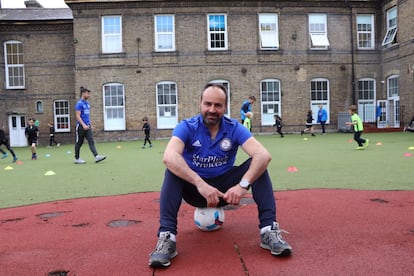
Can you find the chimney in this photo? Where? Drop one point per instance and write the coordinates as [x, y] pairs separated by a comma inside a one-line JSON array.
[[32, 4]]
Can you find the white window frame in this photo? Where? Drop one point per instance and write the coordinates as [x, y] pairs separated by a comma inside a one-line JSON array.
[[217, 27], [226, 84], [111, 34], [14, 65], [164, 28], [61, 115], [167, 104], [393, 87], [113, 95], [367, 108], [268, 31], [270, 100], [365, 32], [318, 31], [392, 26], [319, 95]]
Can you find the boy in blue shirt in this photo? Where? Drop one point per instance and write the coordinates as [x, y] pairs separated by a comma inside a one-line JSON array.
[[200, 159]]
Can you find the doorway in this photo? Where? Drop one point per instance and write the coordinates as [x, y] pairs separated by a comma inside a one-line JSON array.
[[17, 125]]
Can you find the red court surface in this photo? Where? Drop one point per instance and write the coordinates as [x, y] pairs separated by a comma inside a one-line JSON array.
[[332, 232]]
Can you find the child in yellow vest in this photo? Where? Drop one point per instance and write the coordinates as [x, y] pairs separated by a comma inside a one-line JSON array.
[[248, 120]]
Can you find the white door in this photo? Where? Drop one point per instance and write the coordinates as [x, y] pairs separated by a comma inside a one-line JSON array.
[[17, 125], [382, 114]]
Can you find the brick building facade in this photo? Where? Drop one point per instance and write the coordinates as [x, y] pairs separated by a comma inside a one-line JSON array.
[[152, 58]]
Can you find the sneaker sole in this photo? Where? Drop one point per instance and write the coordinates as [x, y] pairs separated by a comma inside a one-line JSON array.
[[97, 161], [160, 264], [284, 252]]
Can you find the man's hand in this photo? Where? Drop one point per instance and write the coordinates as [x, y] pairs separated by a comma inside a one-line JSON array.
[[234, 195], [211, 194]]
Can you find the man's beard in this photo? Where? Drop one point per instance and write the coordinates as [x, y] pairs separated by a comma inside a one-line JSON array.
[[211, 120]]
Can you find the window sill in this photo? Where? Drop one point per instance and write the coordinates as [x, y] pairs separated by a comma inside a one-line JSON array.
[[390, 47], [112, 55], [165, 54], [217, 52]]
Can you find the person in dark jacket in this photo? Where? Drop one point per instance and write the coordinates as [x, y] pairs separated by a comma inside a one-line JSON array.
[[52, 135], [147, 130], [4, 141], [278, 125], [309, 124]]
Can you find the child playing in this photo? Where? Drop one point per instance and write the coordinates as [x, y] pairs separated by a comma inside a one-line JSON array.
[[278, 125], [147, 129], [248, 120], [309, 125], [358, 128], [52, 135], [4, 141], [32, 132]]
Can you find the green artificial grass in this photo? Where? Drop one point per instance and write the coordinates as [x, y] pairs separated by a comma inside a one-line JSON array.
[[329, 161]]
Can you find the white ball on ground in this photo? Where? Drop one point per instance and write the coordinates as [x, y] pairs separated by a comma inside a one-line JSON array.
[[209, 219]]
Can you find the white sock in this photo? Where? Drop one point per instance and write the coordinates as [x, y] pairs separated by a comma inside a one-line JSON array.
[[265, 229]]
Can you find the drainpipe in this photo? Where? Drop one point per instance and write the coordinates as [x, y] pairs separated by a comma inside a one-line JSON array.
[[352, 53]]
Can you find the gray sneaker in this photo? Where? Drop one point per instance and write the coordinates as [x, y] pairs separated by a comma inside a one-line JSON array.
[[163, 252], [273, 241], [80, 161], [99, 158]]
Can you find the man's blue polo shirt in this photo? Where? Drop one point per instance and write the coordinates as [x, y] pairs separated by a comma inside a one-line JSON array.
[[210, 158], [83, 107]]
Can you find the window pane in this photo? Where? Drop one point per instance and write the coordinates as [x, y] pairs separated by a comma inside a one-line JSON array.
[[14, 64], [164, 32], [164, 23], [111, 34], [392, 17], [112, 25], [319, 40], [366, 90], [165, 41], [393, 87], [319, 90], [365, 31], [317, 23], [217, 31], [62, 115], [216, 23]]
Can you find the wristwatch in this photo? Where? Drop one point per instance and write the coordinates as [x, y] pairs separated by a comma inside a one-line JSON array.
[[245, 184]]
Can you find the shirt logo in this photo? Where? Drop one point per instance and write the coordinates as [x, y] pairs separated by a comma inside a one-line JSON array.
[[197, 144], [225, 144]]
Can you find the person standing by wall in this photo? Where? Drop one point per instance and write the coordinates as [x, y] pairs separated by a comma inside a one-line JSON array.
[[84, 127], [32, 133], [322, 118]]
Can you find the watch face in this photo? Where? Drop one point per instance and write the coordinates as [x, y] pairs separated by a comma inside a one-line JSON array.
[[244, 183]]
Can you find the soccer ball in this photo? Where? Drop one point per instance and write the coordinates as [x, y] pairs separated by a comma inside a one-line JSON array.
[[209, 219]]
